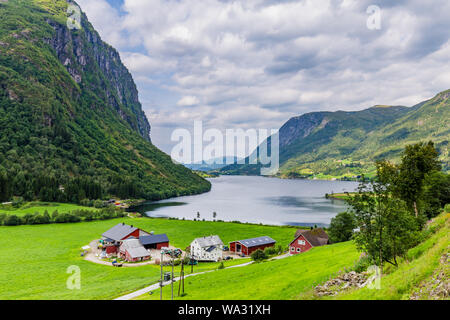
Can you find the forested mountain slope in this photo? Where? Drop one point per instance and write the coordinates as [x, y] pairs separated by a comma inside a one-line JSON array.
[[345, 144], [70, 114]]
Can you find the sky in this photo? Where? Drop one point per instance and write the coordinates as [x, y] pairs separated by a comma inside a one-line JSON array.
[[254, 64]]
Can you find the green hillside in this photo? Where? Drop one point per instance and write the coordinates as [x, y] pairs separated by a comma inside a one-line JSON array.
[[70, 115], [296, 276], [346, 144]]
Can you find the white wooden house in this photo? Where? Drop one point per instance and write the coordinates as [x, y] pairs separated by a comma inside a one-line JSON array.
[[207, 249]]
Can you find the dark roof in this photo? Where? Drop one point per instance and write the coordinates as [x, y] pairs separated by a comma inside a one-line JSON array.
[[119, 231], [152, 239], [210, 249], [318, 232], [254, 242], [315, 237]]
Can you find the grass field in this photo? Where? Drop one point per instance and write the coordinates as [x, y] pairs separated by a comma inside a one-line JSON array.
[[35, 258], [278, 279], [422, 262], [40, 207]]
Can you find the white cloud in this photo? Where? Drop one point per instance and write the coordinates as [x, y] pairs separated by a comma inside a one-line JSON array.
[[256, 63], [188, 101]]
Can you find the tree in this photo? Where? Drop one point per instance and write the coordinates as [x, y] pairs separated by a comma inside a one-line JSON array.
[[386, 228], [341, 227], [436, 193], [258, 255], [417, 161]]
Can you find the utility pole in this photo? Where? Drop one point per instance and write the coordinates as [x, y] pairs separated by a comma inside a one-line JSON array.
[[161, 284], [172, 275]]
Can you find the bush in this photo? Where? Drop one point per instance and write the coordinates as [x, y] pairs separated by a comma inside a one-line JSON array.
[[176, 262], [270, 251], [99, 204], [258, 255], [221, 266], [363, 263], [12, 220], [2, 218], [17, 202]]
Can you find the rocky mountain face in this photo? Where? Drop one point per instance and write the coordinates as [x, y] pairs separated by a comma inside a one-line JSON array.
[[83, 52], [70, 115]]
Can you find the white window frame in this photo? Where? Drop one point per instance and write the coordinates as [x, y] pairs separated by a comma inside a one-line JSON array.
[[301, 242]]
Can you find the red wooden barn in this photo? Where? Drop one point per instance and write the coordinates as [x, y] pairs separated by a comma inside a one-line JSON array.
[[246, 247], [114, 236], [306, 239]]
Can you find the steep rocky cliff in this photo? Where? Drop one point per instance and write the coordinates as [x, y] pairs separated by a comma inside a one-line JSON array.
[[70, 115], [83, 52]]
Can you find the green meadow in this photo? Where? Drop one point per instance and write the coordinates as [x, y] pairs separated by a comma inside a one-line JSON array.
[[34, 258], [41, 207], [282, 279]]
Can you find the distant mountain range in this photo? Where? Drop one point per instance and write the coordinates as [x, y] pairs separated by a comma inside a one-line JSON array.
[[70, 114], [212, 164], [345, 144]]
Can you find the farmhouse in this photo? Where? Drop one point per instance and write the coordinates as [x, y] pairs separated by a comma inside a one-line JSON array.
[[113, 238], [207, 248], [154, 241], [307, 239], [132, 250], [246, 247]]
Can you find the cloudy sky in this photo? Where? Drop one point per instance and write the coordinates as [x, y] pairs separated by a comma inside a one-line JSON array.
[[256, 63]]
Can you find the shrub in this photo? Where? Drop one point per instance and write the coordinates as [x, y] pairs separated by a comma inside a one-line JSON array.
[[270, 251], [221, 266], [258, 255], [99, 204], [12, 220], [2, 218], [176, 262], [363, 263]]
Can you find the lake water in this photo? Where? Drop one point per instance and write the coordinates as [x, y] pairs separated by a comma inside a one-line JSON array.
[[258, 200]]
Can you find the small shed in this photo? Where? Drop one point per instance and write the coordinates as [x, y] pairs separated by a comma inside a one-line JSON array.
[[155, 241], [247, 246], [132, 250]]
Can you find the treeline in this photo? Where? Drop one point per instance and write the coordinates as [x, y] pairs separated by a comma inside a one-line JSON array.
[[387, 215], [56, 217]]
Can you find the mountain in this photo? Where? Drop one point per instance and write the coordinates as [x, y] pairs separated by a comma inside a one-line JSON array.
[[212, 164], [345, 144], [71, 123]]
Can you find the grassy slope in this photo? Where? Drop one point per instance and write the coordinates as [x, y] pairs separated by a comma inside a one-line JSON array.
[[40, 207], [403, 281], [279, 279], [34, 259]]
